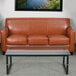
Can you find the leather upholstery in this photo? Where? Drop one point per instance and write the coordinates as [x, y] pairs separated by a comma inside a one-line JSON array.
[[36, 40], [37, 27], [58, 40], [20, 26], [37, 32], [17, 40], [0, 36], [4, 35], [71, 35], [58, 26]]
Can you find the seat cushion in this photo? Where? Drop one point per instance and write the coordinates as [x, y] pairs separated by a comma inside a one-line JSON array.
[[38, 40], [17, 39], [58, 40]]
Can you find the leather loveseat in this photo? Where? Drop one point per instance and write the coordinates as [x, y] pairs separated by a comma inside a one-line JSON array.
[[37, 33]]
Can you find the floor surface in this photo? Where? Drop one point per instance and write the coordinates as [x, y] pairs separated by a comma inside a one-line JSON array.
[[38, 66]]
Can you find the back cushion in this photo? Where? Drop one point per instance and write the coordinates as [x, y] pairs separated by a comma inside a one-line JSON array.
[[57, 26], [37, 26], [18, 26]]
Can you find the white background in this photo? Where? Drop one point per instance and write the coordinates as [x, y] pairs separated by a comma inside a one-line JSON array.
[[7, 9]]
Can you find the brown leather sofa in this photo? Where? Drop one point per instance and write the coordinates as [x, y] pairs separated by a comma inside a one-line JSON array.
[[37, 33]]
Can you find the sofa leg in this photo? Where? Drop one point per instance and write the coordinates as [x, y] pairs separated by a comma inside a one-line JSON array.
[[71, 53], [3, 53]]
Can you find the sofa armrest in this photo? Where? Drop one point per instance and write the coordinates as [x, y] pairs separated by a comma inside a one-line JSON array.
[[71, 35], [70, 32], [4, 34]]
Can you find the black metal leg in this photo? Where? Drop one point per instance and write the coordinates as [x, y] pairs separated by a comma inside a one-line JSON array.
[[67, 65], [10, 64], [71, 53], [3, 53], [7, 67], [10, 60], [63, 60]]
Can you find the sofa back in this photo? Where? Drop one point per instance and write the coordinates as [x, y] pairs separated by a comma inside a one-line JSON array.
[[37, 26]]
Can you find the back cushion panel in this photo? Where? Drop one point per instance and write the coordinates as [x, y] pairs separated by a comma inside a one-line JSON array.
[[38, 27], [18, 26], [57, 26]]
